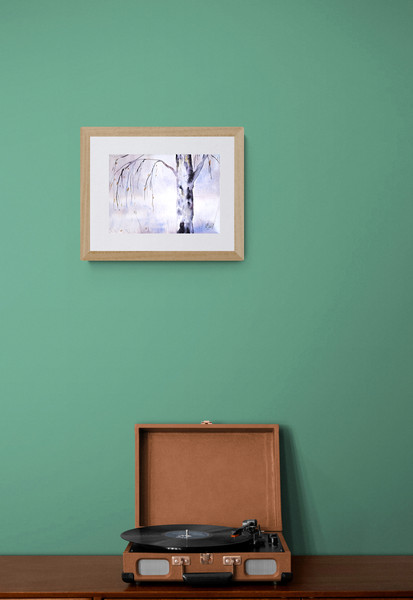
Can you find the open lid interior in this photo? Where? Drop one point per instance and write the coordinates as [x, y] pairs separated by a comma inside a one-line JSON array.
[[208, 474]]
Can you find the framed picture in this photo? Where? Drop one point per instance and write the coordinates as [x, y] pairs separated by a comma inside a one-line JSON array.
[[156, 193]]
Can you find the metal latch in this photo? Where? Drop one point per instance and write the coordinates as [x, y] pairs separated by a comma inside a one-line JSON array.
[[231, 560], [181, 560], [206, 422], [206, 558]]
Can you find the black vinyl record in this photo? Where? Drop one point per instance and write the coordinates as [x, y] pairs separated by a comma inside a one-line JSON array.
[[185, 538]]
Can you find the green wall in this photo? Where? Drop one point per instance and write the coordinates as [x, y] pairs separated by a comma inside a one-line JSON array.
[[312, 331]]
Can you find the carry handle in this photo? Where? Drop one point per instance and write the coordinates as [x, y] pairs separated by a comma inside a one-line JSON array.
[[207, 578]]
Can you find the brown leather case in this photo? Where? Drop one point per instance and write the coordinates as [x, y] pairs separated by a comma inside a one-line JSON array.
[[208, 474]]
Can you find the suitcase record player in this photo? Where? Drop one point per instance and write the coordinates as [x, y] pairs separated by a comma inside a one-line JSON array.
[[195, 486]]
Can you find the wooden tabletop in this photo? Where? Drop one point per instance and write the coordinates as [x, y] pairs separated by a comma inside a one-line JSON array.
[[314, 576]]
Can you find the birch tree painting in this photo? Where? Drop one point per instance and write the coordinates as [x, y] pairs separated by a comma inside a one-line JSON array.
[[177, 193]]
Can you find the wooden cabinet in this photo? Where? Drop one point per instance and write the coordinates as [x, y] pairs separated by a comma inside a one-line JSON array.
[[99, 578]]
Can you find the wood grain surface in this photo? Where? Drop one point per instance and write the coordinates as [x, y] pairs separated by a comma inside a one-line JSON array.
[[100, 577]]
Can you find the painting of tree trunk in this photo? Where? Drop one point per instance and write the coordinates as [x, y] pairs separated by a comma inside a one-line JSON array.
[[164, 193]]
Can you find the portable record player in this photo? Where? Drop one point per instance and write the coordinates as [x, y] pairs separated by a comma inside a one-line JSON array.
[[196, 486]]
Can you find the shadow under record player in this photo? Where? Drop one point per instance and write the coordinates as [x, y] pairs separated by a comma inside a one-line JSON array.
[[188, 474]]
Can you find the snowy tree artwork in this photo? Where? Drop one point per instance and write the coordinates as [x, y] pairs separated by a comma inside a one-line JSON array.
[[141, 188], [164, 193]]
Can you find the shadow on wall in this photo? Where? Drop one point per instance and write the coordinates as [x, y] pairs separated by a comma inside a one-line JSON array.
[[296, 521]]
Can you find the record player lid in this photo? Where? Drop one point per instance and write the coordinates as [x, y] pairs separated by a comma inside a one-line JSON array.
[[208, 474]]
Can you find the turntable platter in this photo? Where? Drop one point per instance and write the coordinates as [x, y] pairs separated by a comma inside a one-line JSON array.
[[186, 538]]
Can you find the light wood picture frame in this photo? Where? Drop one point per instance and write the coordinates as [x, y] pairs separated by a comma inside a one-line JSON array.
[[141, 186]]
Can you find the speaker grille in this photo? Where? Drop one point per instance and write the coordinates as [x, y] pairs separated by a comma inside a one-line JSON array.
[[153, 566], [263, 566]]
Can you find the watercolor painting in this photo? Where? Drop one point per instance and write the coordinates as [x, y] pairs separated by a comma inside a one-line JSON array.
[[140, 187], [178, 193]]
